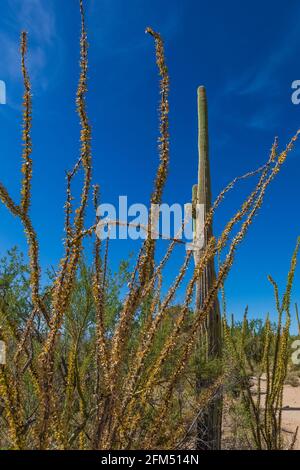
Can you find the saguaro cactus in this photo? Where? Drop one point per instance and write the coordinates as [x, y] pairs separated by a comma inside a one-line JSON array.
[[209, 423]]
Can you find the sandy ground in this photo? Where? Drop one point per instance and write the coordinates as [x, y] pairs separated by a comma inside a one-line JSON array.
[[291, 412], [290, 415]]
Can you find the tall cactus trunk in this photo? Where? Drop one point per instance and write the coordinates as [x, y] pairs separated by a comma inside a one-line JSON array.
[[209, 423]]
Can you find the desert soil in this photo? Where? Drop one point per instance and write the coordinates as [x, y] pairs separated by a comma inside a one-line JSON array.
[[290, 415], [291, 412]]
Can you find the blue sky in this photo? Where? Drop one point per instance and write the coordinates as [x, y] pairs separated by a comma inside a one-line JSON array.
[[245, 53]]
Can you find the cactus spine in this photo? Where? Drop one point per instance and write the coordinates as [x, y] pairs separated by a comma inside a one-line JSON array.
[[209, 423]]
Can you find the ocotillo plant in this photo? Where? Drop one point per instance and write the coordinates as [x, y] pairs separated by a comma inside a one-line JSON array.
[[209, 425], [263, 412]]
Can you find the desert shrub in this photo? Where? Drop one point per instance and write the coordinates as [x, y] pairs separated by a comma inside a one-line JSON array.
[[261, 395]]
